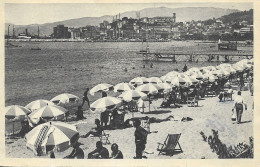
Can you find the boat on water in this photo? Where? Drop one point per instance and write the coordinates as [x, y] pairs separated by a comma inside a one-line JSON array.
[[37, 48]]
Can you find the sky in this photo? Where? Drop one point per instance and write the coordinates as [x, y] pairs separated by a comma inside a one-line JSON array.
[[36, 13]]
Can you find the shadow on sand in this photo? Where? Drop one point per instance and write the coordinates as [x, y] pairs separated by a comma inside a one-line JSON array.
[[158, 112]]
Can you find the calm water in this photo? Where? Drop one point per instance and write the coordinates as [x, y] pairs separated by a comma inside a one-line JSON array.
[[71, 67]]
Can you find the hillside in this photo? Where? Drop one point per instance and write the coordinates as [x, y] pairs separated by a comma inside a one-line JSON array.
[[182, 14], [238, 17]]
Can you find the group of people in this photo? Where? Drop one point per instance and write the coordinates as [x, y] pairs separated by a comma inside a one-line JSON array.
[[102, 152]]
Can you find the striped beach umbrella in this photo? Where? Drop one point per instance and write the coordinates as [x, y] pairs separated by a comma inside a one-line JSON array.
[[51, 136], [100, 87], [105, 103], [121, 87], [16, 112], [37, 104], [65, 98], [132, 95], [48, 112]]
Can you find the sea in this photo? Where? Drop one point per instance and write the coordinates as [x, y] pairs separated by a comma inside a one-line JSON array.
[[71, 67]]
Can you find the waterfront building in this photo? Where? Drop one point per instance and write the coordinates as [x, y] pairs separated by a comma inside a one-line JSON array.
[[61, 32]]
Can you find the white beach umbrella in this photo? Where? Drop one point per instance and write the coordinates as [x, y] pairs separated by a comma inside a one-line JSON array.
[[149, 88], [139, 81], [172, 73], [37, 104], [121, 87], [51, 136], [154, 80], [194, 69], [100, 87], [189, 73], [65, 98], [132, 95], [105, 103], [165, 86], [178, 81]]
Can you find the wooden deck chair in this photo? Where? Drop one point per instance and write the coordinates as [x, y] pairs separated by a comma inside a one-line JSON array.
[[169, 145]]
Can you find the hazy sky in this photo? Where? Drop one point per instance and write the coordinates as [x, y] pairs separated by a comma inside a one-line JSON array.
[[23, 14]]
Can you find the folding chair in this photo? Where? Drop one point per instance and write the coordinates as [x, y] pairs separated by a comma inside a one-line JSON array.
[[104, 138], [169, 145], [191, 101]]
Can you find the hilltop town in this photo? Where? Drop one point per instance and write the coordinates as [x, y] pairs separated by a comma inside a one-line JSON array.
[[235, 26]]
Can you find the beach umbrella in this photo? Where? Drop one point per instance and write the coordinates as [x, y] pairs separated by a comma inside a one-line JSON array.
[[139, 81], [64, 98], [132, 95], [211, 68], [198, 76], [16, 113], [231, 70], [194, 69], [216, 73], [189, 73], [51, 136], [193, 80], [165, 86], [172, 73], [238, 68], [121, 87], [105, 103], [224, 72], [100, 87], [37, 104], [178, 81], [48, 112], [167, 78], [149, 88], [204, 70], [210, 77], [154, 80]]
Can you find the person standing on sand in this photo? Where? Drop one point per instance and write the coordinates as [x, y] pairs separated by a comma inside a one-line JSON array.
[[85, 98], [140, 139], [239, 103]]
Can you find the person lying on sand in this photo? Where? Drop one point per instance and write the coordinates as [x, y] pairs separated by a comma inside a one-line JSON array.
[[99, 153], [98, 129]]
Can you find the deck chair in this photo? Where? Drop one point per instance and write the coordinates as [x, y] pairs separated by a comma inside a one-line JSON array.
[[192, 101], [169, 145], [104, 138]]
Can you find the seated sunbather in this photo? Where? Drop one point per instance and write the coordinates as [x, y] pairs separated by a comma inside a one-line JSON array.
[[99, 153], [98, 129]]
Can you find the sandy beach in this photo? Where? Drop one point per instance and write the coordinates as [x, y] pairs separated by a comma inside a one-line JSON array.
[[210, 114]]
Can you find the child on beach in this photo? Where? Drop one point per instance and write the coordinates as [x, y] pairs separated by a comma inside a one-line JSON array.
[[140, 139]]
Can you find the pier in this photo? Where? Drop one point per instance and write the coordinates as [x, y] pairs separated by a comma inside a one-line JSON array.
[[196, 56]]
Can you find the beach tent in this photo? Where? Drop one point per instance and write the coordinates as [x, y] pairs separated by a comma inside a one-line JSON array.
[[121, 87], [100, 87], [51, 136], [37, 104]]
